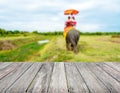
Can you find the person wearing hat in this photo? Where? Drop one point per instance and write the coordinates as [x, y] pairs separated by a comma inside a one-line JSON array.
[[68, 22], [68, 26], [73, 21]]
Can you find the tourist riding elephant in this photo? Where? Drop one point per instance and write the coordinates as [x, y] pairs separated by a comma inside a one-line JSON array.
[[72, 38]]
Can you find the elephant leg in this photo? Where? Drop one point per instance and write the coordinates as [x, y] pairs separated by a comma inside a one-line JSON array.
[[74, 49], [68, 43], [76, 43], [68, 46]]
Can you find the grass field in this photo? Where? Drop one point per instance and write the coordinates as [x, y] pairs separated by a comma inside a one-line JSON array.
[[90, 49]]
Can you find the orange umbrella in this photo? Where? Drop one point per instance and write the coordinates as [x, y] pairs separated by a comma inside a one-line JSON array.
[[71, 11]]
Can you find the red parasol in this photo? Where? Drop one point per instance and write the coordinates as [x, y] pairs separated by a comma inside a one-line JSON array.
[[71, 11]]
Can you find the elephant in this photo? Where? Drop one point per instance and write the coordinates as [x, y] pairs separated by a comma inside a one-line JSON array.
[[72, 39]]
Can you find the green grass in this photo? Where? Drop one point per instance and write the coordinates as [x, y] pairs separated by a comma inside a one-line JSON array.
[[22, 40], [26, 47], [20, 54], [90, 49]]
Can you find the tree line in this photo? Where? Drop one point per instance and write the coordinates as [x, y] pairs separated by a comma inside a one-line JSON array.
[[4, 32]]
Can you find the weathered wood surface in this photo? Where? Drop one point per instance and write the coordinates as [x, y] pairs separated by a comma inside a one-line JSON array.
[[60, 77]]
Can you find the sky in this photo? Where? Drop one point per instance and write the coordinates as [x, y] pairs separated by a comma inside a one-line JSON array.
[[48, 15]]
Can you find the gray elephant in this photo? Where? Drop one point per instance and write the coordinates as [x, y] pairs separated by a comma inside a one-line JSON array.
[[72, 39]]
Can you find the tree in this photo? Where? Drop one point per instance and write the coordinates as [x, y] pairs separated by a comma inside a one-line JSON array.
[[16, 31], [35, 32], [2, 32]]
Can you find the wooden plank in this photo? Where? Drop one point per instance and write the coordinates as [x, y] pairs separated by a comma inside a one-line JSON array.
[[10, 79], [117, 63], [42, 80], [22, 84], [5, 64], [107, 80], [8, 69], [93, 83], [114, 73], [112, 64], [1, 63], [76, 83], [58, 80]]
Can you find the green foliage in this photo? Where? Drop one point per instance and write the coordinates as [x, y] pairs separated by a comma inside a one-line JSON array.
[[20, 54], [28, 45], [51, 33], [16, 32], [100, 33], [90, 49], [9, 32], [4, 32], [35, 32]]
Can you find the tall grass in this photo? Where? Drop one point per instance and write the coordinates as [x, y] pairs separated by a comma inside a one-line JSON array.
[[90, 49], [20, 54]]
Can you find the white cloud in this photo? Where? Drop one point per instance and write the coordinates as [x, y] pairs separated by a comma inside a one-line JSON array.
[[48, 15], [90, 27], [82, 6], [34, 25], [107, 5], [39, 4]]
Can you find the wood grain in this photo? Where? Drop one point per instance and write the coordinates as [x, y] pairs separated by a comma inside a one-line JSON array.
[[75, 81], [42, 79], [21, 85], [11, 78], [106, 79], [60, 77]]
